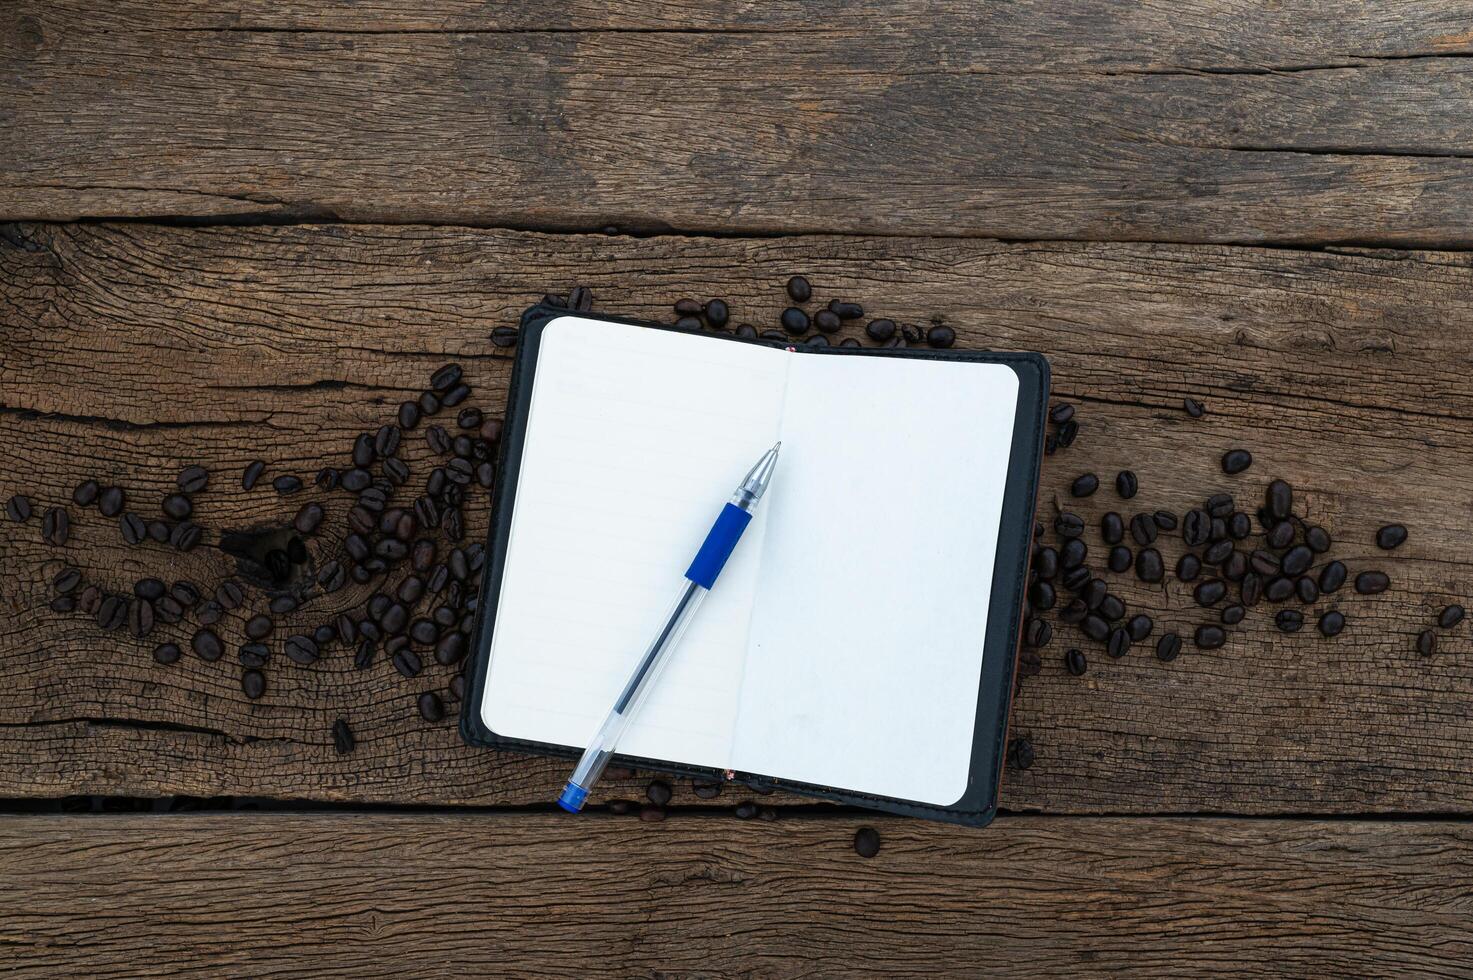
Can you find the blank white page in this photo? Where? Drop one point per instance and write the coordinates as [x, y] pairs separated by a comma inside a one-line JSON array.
[[635, 439], [865, 651]]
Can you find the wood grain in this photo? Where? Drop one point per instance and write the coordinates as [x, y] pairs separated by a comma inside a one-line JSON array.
[[131, 350], [1199, 121], [448, 896]]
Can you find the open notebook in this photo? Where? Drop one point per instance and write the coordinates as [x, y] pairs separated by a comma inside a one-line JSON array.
[[845, 646]]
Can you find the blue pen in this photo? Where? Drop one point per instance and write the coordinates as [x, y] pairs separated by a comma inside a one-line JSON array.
[[718, 546]]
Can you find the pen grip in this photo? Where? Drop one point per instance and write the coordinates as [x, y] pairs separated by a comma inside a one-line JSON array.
[[720, 541]]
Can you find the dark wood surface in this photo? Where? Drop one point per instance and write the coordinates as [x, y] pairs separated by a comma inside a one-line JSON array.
[[250, 230]]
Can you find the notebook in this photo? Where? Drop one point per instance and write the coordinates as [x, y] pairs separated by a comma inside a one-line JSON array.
[[858, 646]]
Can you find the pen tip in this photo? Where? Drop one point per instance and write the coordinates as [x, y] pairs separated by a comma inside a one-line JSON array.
[[777, 445]]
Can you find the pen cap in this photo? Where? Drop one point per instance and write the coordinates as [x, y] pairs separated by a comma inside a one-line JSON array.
[[572, 798]]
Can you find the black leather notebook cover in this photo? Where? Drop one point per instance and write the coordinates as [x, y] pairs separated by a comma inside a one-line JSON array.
[[977, 806]]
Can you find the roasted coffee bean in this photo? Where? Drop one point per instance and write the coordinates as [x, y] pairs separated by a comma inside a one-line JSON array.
[[286, 484], [159, 531], [429, 404], [361, 520], [1193, 407], [1235, 566], [1168, 647], [1391, 536], [1427, 643], [1165, 520], [85, 495], [1041, 596], [330, 573], [206, 645], [1210, 592], [1196, 528], [1084, 485], [374, 500], [378, 604], [252, 473], [1037, 633], [396, 471], [407, 663], [56, 527], [450, 649], [394, 618], [1188, 567], [424, 632], [408, 415], [229, 594], [446, 377], [167, 653], [1075, 661], [300, 649], [826, 320], [1296, 560], [1219, 505], [1217, 530], [253, 683], [1264, 562], [63, 604], [1148, 565], [422, 555], [1307, 590], [1071, 553], [683, 307], [1112, 608], [1278, 589], [356, 480], [342, 736], [1139, 627], [1218, 551], [469, 418], [460, 471], [111, 501], [1112, 528], [210, 613], [1289, 620], [1061, 413], [1279, 499], [1074, 612], [1233, 615], [439, 578], [444, 616], [368, 629], [941, 336], [1094, 593], [1236, 460], [282, 604], [426, 512], [1095, 628], [1209, 637], [1067, 433], [259, 627], [1075, 579], [166, 610], [185, 536], [880, 330], [455, 395], [193, 479], [308, 519], [1119, 643], [363, 450], [458, 564], [1143, 529], [438, 440], [475, 556], [1120, 558], [1250, 589], [18, 508], [1317, 538], [1126, 484], [253, 655], [1450, 616], [357, 547], [794, 321], [1239, 526], [431, 708], [846, 311], [391, 550], [66, 580], [866, 842], [1020, 752], [150, 589], [386, 441], [1371, 583], [1332, 622], [1069, 525], [491, 431], [799, 289], [112, 613], [133, 528]]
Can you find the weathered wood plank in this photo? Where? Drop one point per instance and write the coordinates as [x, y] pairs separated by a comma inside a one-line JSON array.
[[1195, 122], [155, 348], [443, 896]]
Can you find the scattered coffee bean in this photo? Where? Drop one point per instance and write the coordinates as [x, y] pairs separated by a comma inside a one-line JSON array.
[[450, 649], [252, 473], [112, 612], [1278, 589], [1075, 661], [1196, 528], [1289, 620], [1218, 552], [1391, 536], [1069, 525], [253, 654], [1235, 566], [880, 330], [1332, 622], [1037, 633], [1126, 484], [177, 506], [799, 289], [253, 683], [1194, 408], [1041, 596], [259, 627], [1450, 616], [1139, 627], [1209, 637], [1233, 615], [1072, 553], [342, 736], [1020, 752], [1317, 538], [1085, 485], [159, 531], [1112, 528], [1236, 461], [206, 644], [1061, 413], [286, 484], [63, 604], [1239, 526], [193, 479], [795, 321], [1067, 433], [132, 528], [941, 336], [56, 527], [1143, 529], [1168, 647], [1120, 558], [1296, 560], [1118, 644], [167, 653], [846, 311], [407, 663], [1075, 611], [1188, 567], [85, 495], [1148, 565], [1279, 500], [866, 842], [210, 613], [658, 792], [18, 508], [1095, 628], [1427, 643], [431, 708], [66, 580], [1219, 505], [1210, 592], [1307, 590], [308, 519], [1264, 562], [504, 337], [111, 501], [300, 649], [1372, 583]]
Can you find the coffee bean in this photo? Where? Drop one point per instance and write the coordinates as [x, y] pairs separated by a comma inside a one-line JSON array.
[[658, 792], [253, 655], [1307, 590], [1236, 461], [1072, 553], [167, 653], [1217, 530], [56, 527], [866, 842], [1061, 413], [450, 648], [1450, 616], [429, 403], [63, 604], [300, 649], [1085, 485], [1372, 583], [308, 518], [1196, 528], [1067, 433], [1332, 622], [1119, 643], [342, 736], [1148, 565], [940, 335], [846, 311], [133, 528], [167, 610], [1289, 620], [424, 632], [1188, 567], [1112, 608], [1139, 627], [1069, 525], [252, 473], [1317, 538], [386, 441], [374, 500], [1235, 567], [794, 321], [1296, 560], [1075, 661], [193, 479], [1143, 529], [1194, 408], [159, 531], [1209, 637], [66, 580], [229, 594], [1112, 528], [1239, 526], [1126, 484], [826, 320], [1165, 520], [206, 644], [1219, 505], [448, 376], [85, 495], [408, 415], [1095, 628], [1391, 536], [210, 613], [18, 508], [1251, 589], [880, 330], [112, 612], [1041, 596], [283, 604], [185, 536], [407, 663], [431, 708], [1210, 592], [1074, 612], [491, 431], [1094, 593], [286, 484], [1020, 752], [1278, 589], [1264, 562], [1218, 552], [1168, 647], [259, 627], [799, 289], [111, 501], [1279, 499], [455, 395], [1120, 558], [1427, 643], [1233, 615]]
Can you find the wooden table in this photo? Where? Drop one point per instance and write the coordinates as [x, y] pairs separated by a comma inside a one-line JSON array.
[[250, 230]]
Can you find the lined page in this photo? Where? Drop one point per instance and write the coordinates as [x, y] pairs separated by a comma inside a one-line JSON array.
[[865, 651], [635, 439]]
